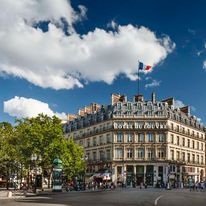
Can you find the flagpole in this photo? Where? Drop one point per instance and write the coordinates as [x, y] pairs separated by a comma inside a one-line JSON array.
[[138, 79]]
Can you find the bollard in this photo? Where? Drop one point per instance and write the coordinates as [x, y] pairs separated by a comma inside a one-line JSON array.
[[9, 194], [25, 192]]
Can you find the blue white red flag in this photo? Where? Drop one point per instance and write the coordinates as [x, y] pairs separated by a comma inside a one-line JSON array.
[[144, 67]]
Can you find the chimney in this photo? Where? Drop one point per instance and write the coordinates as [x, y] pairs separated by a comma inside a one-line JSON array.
[[186, 110], [153, 98], [139, 98], [118, 98], [170, 101], [71, 117], [115, 98]]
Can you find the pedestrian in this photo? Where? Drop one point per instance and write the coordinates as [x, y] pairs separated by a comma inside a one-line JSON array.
[[141, 185], [196, 186], [202, 186], [190, 184]]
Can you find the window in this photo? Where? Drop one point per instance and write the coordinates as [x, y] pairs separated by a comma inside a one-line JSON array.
[[188, 131], [160, 153], [140, 137], [94, 155], [201, 146], [178, 140], [198, 134], [161, 137], [129, 153], [198, 159], [183, 142], [178, 155], [188, 157], [183, 156], [193, 144], [172, 126], [118, 153], [178, 128], [150, 153], [198, 145], [183, 130], [140, 153], [172, 138], [108, 154], [201, 159], [94, 141], [119, 106], [193, 158], [88, 143], [101, 140], [129, 137], [108, 138], [129, 106], [150, 137], [119, 137], [172, 154], [188, 143], [119, 170], [101, 155]]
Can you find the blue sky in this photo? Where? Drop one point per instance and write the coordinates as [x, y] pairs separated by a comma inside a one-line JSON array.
[[180, 71]]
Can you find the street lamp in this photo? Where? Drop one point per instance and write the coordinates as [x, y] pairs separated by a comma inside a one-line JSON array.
[[34, 159], [85, 158]]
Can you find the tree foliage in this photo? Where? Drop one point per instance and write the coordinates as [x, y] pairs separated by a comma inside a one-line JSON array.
[[42, 136]]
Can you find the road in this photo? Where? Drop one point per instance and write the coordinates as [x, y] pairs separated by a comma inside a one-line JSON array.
[[129, 197]]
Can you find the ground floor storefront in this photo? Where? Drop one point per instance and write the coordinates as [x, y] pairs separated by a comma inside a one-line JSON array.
[[156, 174]]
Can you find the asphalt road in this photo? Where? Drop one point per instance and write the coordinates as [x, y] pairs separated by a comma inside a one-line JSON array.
[[129, 197]]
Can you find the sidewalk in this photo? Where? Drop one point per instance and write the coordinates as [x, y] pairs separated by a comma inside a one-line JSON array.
[[15, 194]]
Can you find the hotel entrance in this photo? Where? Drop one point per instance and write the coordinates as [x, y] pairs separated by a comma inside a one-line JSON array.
[[140, 174]]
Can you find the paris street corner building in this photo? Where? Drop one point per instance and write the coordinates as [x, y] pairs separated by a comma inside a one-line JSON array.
[[139, 141]]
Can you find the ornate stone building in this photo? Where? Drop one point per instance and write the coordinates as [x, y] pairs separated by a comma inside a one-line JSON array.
[[141, 141]]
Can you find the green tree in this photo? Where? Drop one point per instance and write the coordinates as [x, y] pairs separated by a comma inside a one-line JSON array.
[[43, 136], [73, 162], [8, 155]]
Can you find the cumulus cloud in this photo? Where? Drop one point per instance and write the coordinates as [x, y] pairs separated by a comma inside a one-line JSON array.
[[154, 83], [64, 60], [22, 107]]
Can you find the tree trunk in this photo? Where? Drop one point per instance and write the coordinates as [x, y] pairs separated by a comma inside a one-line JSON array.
[[49, 179], [7, 179]]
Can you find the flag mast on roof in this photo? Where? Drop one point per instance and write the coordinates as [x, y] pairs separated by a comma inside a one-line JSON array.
[[143, 67]]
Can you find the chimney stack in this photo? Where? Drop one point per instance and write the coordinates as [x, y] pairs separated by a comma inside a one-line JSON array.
[[153, 99], [139, 98]]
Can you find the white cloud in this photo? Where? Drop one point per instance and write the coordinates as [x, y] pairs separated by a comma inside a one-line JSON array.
[[148, 78], [55, 60], [154, 83], [178, 104], [27, 107], [204, 65], [191, 31], [193, 109], [112, 24]]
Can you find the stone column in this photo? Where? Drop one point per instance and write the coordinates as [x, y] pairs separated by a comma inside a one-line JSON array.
[[165, 175], [155, 175], [145, 173], [114, 173]]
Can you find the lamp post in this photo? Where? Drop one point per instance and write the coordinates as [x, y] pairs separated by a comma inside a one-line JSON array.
[[85, 158], [37, 182]]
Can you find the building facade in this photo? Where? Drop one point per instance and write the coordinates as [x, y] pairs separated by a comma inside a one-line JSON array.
[[141, 141]]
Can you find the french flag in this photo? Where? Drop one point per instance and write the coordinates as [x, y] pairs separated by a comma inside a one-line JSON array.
[[144, 67]]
